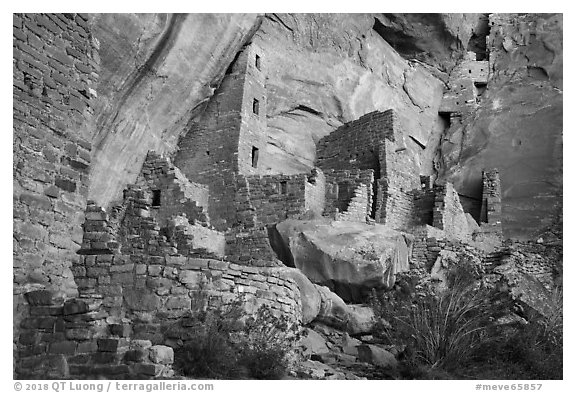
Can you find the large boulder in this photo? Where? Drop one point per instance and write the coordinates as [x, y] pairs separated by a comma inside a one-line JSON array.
[[350, 258], [309, 294]]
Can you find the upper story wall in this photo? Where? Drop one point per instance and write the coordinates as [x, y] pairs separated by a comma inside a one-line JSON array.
[[356, 144]]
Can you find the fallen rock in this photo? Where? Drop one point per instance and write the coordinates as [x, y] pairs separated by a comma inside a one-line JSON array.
[[312, 369], [361, 320], [333, 311], [376, 355], [350, 258], [313, 343], [161, 354], [350, 344]]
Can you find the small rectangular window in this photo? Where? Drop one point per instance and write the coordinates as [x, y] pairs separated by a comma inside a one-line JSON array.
[[254, 157], [256, 106], [257, 62], [155, 197], [283, 187]]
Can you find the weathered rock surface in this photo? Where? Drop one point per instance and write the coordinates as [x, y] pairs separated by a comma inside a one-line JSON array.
[[375, 355], [518, 125], [333, 68], [350, 258], [155, 69], [309, 294], [313, 343], [436, 39]]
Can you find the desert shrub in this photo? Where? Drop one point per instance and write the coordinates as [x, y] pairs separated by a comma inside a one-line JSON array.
[[266, 343], [440, 330], [211, 354], [533, 350], [227, 343]]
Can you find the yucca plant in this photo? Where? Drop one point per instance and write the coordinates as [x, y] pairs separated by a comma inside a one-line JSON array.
[[445, 329]]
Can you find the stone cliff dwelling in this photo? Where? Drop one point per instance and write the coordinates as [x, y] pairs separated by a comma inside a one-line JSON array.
[[206, 215]]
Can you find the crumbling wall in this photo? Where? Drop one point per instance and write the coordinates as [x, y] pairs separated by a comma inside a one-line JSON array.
[[429, 241], [55, 73], [126, 324], [448, 214], [173, 194], [195, 239], [489, 234], [466, 84], [349, 192], [76, 339], [395, 203], [315, 192], [423, 203]]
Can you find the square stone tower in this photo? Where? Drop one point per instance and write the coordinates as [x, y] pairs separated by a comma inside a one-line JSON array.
[[229, 137]]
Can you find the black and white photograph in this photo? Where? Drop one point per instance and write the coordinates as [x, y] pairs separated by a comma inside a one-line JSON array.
[[351, 196]]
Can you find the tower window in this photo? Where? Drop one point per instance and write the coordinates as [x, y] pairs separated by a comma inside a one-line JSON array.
[[257, 62], [256, 106], [254, 156], [283, 187], [155, 197]]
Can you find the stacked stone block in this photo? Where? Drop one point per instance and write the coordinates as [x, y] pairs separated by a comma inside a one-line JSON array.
[[176, 194], [73, 339], [356, 144], [466, 84], [349, 192], [226, 139], [55, 73], [399, 177], [99, 235], [155, 292], [195, 239]]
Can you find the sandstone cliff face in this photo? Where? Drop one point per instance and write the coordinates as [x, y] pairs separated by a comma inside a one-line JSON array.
[[155, 71], [324, 70], [436, 39], [333, 69], [518, 125]]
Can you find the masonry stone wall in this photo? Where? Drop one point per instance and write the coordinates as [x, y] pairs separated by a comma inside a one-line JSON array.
[[55, 73], [77, 339], [429, 241], [174, 193], [448, 213], [395, 202], [349, 192], [315, 192], [355, 145], [228, 139], [423, 206], [127, 324], [466, 84], [470, 68], [460, 97]]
